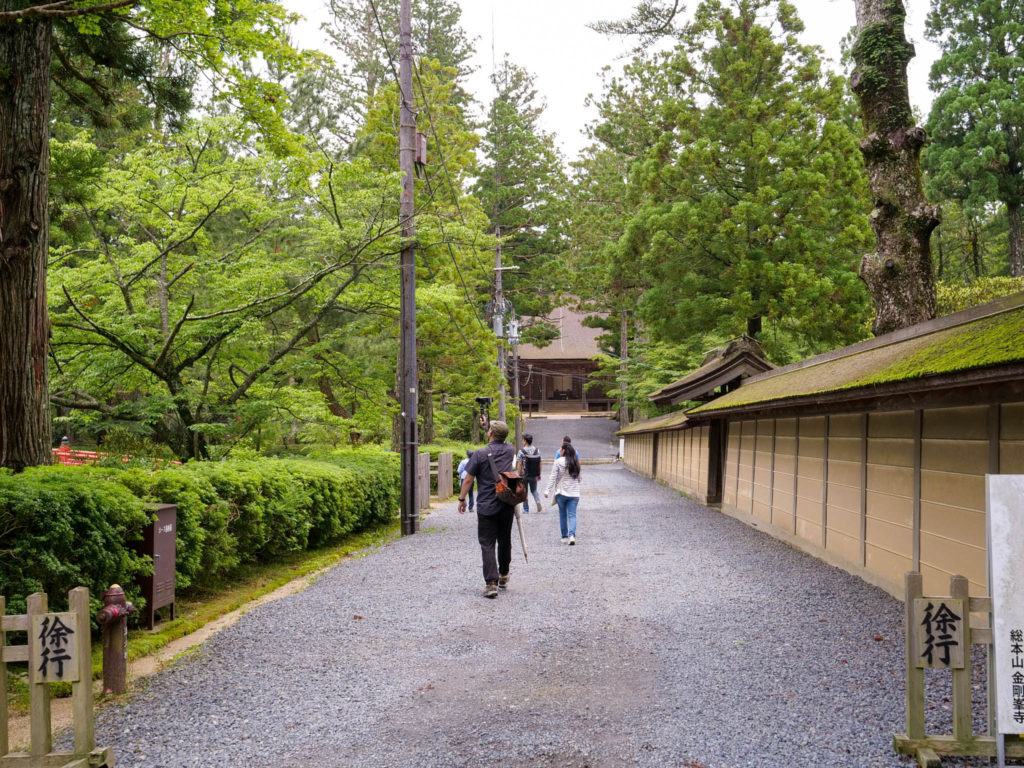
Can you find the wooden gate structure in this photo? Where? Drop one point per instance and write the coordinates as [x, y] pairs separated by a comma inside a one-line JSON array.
[[939, 635], [58, 649]]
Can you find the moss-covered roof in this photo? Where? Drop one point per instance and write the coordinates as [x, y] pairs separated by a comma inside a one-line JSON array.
[[971, 340], [665, 421]]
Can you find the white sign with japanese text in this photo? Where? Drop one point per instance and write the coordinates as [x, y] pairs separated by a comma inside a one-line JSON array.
[[1005, 513], [53, 648]]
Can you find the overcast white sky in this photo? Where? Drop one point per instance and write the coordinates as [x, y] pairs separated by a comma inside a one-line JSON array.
[[550, 38]]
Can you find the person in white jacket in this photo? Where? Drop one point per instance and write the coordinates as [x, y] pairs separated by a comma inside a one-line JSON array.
[[564, 480]]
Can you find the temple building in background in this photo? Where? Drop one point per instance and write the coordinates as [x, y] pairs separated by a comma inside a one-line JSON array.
[[552, 379]]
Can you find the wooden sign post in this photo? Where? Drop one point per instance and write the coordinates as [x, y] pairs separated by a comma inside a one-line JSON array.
[[58, 650], [939, 634]]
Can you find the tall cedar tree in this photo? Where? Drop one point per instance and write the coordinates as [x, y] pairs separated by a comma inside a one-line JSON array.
[[521, 186], [899, 272], [976, 126], [210, 31], [751, 216], [631, 119]]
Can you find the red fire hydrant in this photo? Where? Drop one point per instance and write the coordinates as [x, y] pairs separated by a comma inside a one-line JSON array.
[[113, 617]]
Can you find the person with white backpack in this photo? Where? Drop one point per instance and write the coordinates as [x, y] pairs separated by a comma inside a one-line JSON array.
[[564, 481]]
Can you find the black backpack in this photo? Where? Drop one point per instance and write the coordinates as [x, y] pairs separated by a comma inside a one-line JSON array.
[[531, 465]]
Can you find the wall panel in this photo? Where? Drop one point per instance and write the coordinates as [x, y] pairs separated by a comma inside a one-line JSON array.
[[954, 460], [810, 483], [889, 540], [762, 490]]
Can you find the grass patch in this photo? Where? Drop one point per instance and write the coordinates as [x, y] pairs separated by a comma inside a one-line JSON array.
[[199, 606]]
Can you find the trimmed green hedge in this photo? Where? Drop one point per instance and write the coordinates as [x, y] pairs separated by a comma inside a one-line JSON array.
[[73, 526]]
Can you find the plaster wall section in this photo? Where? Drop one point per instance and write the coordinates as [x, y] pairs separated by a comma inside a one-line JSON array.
[[730, 474], [810, 483], [1011, 439], [843, 512], [745, 476], [954, 461], [784, 474], [889, 530], [762, 490]]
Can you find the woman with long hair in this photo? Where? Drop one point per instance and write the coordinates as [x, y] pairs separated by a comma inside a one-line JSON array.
[[565, 482]]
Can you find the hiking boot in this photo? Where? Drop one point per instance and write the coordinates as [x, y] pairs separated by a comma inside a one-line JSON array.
[[572, 541], [491, 591], [503, 581]]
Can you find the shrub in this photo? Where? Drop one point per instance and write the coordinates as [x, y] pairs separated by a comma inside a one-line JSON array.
[[71, 526], [65, 527]]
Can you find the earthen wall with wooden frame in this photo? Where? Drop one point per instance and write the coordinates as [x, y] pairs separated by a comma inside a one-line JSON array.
[[877, 493], [681, 459]]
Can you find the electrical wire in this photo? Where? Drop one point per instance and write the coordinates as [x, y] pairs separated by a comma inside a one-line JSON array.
[[391, 59], [444, 162], [430, 190]]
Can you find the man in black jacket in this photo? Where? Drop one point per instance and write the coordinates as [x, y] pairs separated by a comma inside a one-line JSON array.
[[494, 518]]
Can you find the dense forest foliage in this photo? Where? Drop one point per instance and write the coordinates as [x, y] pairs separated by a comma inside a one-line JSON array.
[[222, 253]]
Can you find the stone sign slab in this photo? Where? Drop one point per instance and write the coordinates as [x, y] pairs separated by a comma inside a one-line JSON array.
[[1005, 513]]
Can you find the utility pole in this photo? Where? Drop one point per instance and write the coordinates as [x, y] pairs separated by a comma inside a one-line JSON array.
[[499, 320], [513, 337], [623, 358], [407, 270]]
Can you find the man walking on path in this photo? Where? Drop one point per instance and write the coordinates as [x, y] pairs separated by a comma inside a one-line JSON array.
[[494, 518], [528, 460]]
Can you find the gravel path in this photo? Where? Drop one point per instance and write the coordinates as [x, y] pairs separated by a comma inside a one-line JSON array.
[[670, 636]]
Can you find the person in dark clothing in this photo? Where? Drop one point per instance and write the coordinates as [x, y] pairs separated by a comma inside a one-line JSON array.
[[494, 518], [528, 462]]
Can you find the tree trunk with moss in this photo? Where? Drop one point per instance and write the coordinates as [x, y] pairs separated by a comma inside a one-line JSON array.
[[25, 48], [899, 272]]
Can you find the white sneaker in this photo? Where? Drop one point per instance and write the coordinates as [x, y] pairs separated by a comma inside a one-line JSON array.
[[572, 541], [565, 541]]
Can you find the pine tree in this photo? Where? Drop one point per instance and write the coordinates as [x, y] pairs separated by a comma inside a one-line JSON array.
[[976, 125], [751, 218], [521, 186]]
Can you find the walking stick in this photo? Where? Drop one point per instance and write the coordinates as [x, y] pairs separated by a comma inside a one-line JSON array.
[[522, 536]]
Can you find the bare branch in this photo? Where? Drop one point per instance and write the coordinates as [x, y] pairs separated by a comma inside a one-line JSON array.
[[60, 10]]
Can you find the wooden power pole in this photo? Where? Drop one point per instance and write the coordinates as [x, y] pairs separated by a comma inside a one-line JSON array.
[[406, 163]]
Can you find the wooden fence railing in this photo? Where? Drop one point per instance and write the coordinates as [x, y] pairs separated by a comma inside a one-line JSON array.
[[427, 469]]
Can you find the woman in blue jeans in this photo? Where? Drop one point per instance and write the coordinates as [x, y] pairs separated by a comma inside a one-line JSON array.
[[565, 482]]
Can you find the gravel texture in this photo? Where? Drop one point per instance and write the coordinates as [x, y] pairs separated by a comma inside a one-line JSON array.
[[593, 437], [671, 635]]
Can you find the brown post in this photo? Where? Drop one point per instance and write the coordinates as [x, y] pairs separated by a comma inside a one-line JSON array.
[[113, 617]]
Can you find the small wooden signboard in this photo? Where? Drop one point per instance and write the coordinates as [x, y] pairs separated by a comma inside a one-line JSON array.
[[53, 648], [939, 632]]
